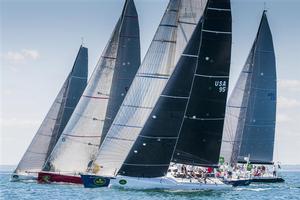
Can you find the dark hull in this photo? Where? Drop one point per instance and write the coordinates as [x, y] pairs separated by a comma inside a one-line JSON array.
[[92, 181], [49, 177], [268, 180], [236, 183]]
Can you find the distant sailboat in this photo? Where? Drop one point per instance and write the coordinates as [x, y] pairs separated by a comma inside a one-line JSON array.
[[56, 119], [107, 87], [251, 111], [186, 121]]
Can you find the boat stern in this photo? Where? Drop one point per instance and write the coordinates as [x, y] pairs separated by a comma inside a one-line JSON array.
[[93, 181]]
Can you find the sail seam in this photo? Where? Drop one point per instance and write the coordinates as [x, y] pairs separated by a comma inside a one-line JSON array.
[[116, 138], [190, 23], [167, 41], [218, 9], [157, 137], [149, 76], [132, 106], [79, 77], [218, 32], [128, 125], [209, 76], [82, 136], [94, 97], [174, 97], [203, 119], [189, 55], [108, 57]]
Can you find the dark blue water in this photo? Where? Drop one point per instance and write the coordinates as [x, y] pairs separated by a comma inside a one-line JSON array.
[[10, 190]]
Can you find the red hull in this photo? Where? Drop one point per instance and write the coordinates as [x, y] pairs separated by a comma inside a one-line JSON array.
[[48, 177]]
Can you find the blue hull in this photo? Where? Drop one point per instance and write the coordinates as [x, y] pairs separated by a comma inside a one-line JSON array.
[[93, 181]]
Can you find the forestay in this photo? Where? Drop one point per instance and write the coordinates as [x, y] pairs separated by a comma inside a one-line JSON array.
[[149, 82]]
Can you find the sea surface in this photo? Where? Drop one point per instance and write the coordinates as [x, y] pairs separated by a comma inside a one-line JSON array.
[[11, 190]]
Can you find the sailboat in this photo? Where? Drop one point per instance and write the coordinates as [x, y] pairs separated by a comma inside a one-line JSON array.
[[52, 126], [107, 87], [184, 125], [249, 131]]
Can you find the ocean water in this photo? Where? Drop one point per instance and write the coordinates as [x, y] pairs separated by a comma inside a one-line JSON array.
[[11, 190]]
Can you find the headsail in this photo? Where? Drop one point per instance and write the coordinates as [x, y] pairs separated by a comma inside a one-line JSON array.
[[252, 115], [148, 84], [200, 136], [80, 140], [54, 122]]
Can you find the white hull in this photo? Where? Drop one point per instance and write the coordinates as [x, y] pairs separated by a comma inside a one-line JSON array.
[[166, 183], [23, 177]]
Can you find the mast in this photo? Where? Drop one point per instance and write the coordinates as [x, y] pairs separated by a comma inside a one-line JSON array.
[[257, 132], [148, 84], [45, 138], [80, 140], [200, 136]]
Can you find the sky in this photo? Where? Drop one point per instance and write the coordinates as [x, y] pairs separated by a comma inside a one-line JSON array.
[[39, 40]]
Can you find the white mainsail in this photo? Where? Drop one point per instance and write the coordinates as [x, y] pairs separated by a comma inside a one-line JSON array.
[[80, 139], [36, 154], [175, 29]]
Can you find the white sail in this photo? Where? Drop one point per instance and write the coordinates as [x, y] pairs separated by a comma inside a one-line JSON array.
[[174, 31], [36, 154], [80, 139]]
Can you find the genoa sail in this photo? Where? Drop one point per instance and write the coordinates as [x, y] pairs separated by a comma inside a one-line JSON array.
[[252, 115], [79, 143], [200, 136], [177, 25], [56, 118]]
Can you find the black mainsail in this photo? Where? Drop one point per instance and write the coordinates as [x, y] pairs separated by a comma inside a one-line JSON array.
[[152, 151], [197, 87], [57, 117], [252, 108], [201, 132]]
